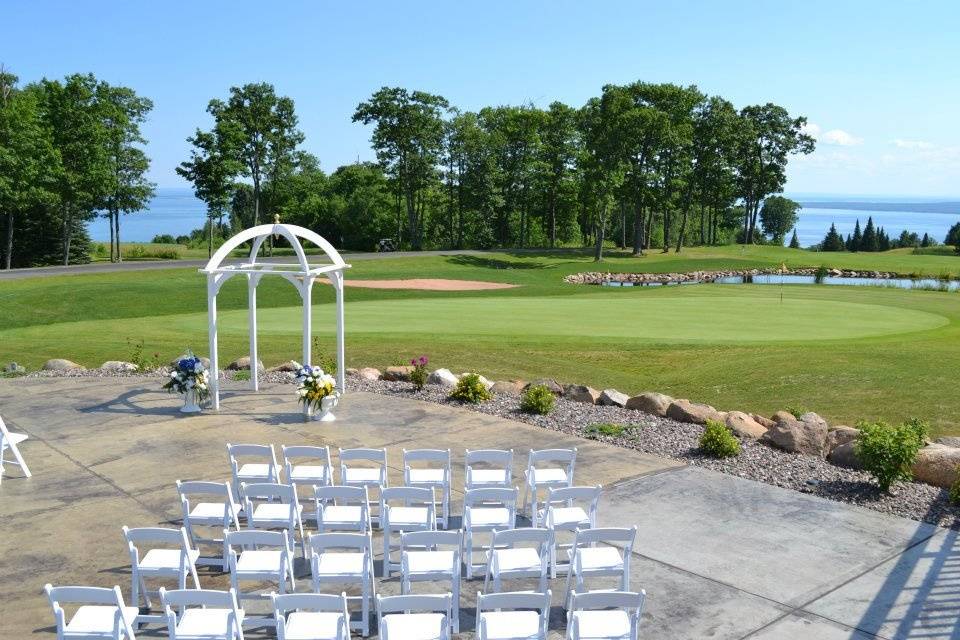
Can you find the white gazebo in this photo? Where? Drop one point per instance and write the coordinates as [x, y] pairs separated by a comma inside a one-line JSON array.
[[300, 274]]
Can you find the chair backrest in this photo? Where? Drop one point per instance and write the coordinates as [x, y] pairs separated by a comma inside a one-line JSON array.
[[285, 493], [254, 539], [422, 603], [284, 603], [199, 598], [499, 458], [491, 495], [609, 535], [515, 600], [339, 494], [517, 537], [431, 457], [589, 497], [303, 452], [566, 457], [263, 452], [376, 456], [594, 600], [407, 495], [155, 536], [201, 487], [60, 596], [431, 540], [321, 542]]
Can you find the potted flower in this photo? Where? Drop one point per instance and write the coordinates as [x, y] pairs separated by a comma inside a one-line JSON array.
[[316, 391], [192, 380]]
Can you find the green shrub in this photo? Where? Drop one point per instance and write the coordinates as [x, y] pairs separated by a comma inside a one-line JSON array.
[[610, 429], [241, 374], [718, 441], [796, 411], [163, 238], [471, 389], [821, 274], [137, 356], [537, 399], [888, 452], [955, 489], [419, 374], [142, 252]]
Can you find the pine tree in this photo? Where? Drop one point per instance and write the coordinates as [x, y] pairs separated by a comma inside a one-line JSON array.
[[869, 240], [833, 241], [884, 240], [953, 235], [794, 241], [926, 240], [857, 240], [848, 243]]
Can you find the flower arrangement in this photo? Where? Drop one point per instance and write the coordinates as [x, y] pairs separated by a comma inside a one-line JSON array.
[[189, 376], [313, 385], [419, 374]]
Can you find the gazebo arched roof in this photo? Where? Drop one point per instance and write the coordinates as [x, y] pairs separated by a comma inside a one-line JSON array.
[[259, 234]]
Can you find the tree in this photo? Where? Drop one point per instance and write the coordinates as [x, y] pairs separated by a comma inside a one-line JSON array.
[[407, 137], [869, 242], [778, 216], [558, 150], [856, 240], [953, 235], [768, 137], [883, 240], [211, 172], [27, 160], [74, 116], [907, 240], [833, 241], [794, 241], [257, 130], [601, 162], [128, 189]]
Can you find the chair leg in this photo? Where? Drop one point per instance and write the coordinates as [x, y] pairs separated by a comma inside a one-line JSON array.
[[456, 602], [196, 579], [365, 608], [468, 552], [566, 591]]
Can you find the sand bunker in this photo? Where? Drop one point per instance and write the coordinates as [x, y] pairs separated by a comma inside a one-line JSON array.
[[429, 284]]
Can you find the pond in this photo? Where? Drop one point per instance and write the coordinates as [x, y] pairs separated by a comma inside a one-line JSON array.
[[928, 284]]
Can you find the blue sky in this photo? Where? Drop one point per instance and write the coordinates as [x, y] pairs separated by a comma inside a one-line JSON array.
[[877, 80]]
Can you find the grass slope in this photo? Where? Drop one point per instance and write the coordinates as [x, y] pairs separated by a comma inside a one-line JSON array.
[[846, 352]]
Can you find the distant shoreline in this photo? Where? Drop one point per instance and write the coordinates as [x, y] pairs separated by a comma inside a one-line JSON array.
[[946, 207]]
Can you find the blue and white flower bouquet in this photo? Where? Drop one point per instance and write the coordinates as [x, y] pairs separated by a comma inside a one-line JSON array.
[[191, 379], [316, 390]]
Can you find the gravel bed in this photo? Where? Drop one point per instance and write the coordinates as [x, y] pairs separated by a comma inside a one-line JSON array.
[[669, 439]]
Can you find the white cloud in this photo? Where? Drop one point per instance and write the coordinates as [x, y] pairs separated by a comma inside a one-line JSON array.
[[911, 144], [840, 137], [812, 129]]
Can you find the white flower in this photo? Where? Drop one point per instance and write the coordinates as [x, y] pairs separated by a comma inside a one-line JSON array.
[[173, 374]]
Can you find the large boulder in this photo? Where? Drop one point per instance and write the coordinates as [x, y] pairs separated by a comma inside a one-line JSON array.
[[369, 373], [763, 420], [443, 377], [118, 366], [549, 383], [581, 393], [950, 441], [613, 398], [812, 417], [841, 435], [798, 436], [60, 364], [398, 374], [936, 464], [284, 367], [508, 387], [650, 402], [693, 412], [782, 415], [845, 455], [244, 363], [744, 425]]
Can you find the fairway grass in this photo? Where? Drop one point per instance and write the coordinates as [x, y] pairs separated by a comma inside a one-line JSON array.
[[848, 353]]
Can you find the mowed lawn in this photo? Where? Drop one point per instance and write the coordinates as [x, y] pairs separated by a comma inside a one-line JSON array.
[[846, 352]]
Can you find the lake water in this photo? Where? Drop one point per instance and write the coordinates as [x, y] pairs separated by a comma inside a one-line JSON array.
[[177, 212]]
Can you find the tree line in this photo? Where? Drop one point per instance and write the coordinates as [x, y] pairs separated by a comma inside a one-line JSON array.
[[872, 238], [642, 165], [70, 150]]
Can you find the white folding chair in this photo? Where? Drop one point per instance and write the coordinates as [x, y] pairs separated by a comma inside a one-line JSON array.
[[202, 614], [345, 558], [435, 473], [9, 441], [404, 509], [259, 556], [486, 510], [566, 510], [518, 553], [307, 472], [169, 556], [605, 615], [215, 507], [518, 615], [595, 554], [311, 616], [341, 508], [424, 617], [365, 468], [485, 468], [546, 469], [270, 506], [259, 464], [101, 614], [432, 556]]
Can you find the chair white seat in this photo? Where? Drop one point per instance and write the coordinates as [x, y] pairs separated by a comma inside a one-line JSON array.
[[605, 625], [340, 563], [165, 559], [274, 512], [518, 559], [595, 558], [480, 477], [491, 516], [430, 561], [418, 516], [352, 475], [307, 625], [511, 624], [309, 472], [260, 561], [550, 476], [204, 623], [338, 513], [98, 619], [414, 626], [568, 516], [14, 438], [212, 511], [253, 471], [426, 475]]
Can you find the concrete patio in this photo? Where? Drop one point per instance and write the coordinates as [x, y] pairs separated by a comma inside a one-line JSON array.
[[719, 556]]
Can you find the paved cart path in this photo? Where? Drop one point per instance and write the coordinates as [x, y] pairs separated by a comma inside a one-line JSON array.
[[719, 556]]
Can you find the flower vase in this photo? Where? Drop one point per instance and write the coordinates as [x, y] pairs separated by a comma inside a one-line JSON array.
[[307, 412], [326, 409], [190, 402]]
